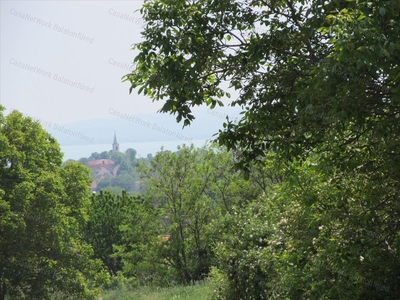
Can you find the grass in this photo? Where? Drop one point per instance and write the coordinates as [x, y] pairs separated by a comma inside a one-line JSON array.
[[201, 291]]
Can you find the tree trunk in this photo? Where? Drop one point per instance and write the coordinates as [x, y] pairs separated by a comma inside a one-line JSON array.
[[2, 290]]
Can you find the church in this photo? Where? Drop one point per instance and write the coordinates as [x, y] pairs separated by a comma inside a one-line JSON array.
[[102, 168], [115, 145]]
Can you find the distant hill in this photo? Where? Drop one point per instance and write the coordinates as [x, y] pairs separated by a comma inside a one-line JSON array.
[[141, 128]]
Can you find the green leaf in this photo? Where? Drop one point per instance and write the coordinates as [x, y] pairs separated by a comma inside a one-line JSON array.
[[396, 89], [391, 47]]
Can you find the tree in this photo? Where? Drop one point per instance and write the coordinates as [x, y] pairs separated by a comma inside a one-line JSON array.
[[312, 235], [248, 262], [113, 189], [131, 154], [107, 214], [123, 161], [124, 181], [190, 188], [105, 155], [337, 243], [247, 243], [228, 187], [84, 161], [94, 155], [177, 185], [43, 207], [318, 71], [142, 245], [319, 85]]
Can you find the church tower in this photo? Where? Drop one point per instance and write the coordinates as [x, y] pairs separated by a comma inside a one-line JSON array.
[[115, 145]]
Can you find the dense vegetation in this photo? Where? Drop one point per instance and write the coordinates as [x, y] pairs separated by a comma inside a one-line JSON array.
[[296, 230], [319, 86], [127, 176], [299, 200], [43, 210]]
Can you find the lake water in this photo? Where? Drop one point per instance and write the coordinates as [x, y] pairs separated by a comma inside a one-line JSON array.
[[143, 148]]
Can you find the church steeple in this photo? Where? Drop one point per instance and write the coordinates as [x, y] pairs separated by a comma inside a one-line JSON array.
[[115, 145]]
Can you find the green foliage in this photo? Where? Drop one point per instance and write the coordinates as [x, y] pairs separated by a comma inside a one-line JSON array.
[[189, 188], [319, 71], [141, 244], [108, 212], [120, 283], [131, 154], [312, 236], [126, 175], [247, 245], [95, 155], [319, 88], [105, 155], [125, 181], [247, 266], [200, 291], [341, 226], [84, 161], [113, 189], [43, 206], [177, 185]]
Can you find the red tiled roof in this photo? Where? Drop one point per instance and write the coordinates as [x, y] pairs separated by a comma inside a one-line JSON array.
[[101, 162]]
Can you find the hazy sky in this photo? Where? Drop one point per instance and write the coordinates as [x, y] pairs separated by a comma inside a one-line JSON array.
[[59, 58]]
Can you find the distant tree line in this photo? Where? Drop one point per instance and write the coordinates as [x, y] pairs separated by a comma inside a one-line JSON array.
[[127, 178]]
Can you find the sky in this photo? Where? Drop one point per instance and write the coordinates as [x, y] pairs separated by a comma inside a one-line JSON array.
[[62, 61]]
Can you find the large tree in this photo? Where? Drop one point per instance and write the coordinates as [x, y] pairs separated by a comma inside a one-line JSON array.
[[108, 213], [305, 72], [43, 208], [178, 184], [189, 188]]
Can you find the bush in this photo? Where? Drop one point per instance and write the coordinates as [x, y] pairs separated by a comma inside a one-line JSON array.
[[120, 282], [246, 248]]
